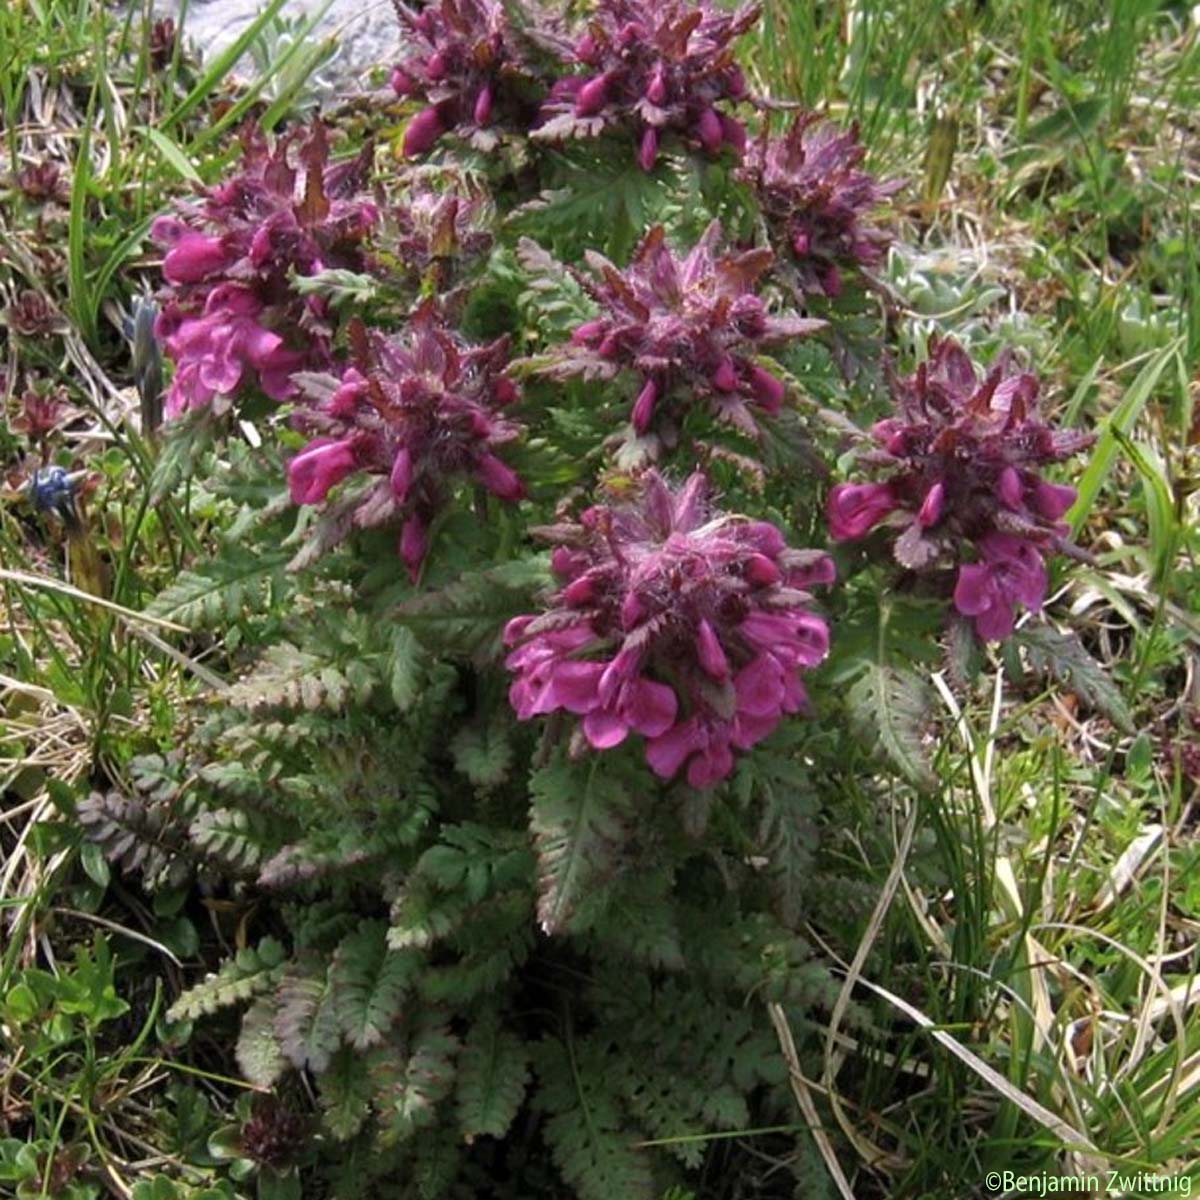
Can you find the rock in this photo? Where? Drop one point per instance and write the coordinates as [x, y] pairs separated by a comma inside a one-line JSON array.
[[367, 37]]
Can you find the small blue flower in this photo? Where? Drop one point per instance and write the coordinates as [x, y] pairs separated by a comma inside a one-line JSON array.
[[52, 490]]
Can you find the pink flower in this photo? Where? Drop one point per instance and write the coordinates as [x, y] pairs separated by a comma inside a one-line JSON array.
[[321, 465], [423, 130], [461, 57], [1010, 571], [690, 327], [816, 201], [230, 259], [675, 622], [653, 70], [192, 256], [854, 509], [421, 409], [965, 454]]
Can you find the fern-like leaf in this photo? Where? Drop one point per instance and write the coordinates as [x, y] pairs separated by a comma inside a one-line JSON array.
[[493, 1073], [370, 981], [585, 1128], [891, 706], [225, 589], [248, 974], [345, 1094], [578, 820], [412, 1074], [306, 1022], [1062, 657], [258, 1055]]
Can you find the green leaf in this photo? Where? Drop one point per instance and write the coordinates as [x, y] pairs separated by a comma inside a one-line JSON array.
[[1061, 656], [249, 973], [306, 1021], [493, 1073], [258, 1055], [173, 155], [224, 590], [345, 1094], [370, 982], [578, 820], [891, 706], [404, 671], [1122, 420]]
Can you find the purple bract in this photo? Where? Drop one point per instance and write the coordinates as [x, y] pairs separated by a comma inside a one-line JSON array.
[[676, 622], [816, 201], [422, 410], [230, 317], [459, 57], [965, 455], [654, 70], [690, 328]]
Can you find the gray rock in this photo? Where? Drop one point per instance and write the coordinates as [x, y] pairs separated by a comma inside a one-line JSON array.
[[368, 37]]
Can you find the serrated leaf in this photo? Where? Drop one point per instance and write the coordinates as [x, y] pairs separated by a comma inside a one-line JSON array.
[[891, 705], [577, 820], [1062, 656], [306, 1022], [221, 591], [370, 981], [404, 672], [493, 1073], [483, 754], [258, 1055], [248, 974], [345, 1094]]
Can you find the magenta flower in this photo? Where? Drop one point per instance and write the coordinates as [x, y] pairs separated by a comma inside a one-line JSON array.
[[1010, 570], [420, 410], [231, 319], [856, 508], [675, 622], [965, 456], [654, 70], [461, 58], [816, 201], [690, 329], [321, 465]]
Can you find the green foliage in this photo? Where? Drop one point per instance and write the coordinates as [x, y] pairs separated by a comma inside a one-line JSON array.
[[1062, 657], [250, 972]]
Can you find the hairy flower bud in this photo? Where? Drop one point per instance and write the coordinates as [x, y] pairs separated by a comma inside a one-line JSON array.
[[653, 70], [230, 317], [816, 201]]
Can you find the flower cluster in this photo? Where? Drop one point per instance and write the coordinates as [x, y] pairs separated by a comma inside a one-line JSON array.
[[965, 455], [443, 219], [653, 69], [230, 316], [691, 326], [815, 200], [420, 409], [459, 57], [674, 621]]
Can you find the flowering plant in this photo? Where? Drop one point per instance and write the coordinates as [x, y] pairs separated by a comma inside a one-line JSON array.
[[816, 201], [420, 410], [580, 729], [690, 328], [674, 621], [965, 455], [654, 70], [230, 317], [460, 59]]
